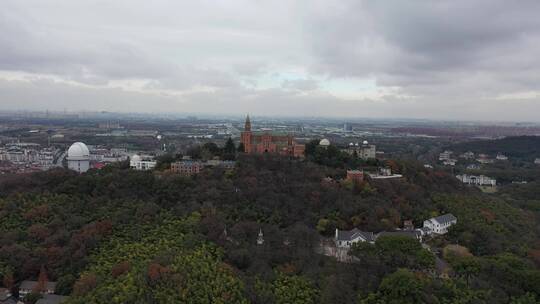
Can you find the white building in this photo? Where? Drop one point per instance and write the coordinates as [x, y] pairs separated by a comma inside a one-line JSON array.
[[537, 161], [78, 157], [501, 157], [346, 238], [467, 155], [142, 163], [384, 173], [477, 180], [439, 224], [446, 155], [449, 162], [364, 151]]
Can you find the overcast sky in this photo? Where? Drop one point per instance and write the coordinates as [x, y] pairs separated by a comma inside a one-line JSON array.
[[459, 59]]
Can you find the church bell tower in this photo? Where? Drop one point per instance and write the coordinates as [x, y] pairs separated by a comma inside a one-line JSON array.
[[245, 136]]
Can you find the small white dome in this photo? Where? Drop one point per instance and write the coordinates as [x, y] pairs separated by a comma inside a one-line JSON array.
[[357, 144], [324, 142], [364, 142], [78, 151], [135, 158], [351, 144]]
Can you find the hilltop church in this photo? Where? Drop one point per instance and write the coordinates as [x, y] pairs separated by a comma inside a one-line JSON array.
[[265, 142]]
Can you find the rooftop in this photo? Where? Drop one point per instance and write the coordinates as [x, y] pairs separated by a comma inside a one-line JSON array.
[[445, 218], [348, 235]]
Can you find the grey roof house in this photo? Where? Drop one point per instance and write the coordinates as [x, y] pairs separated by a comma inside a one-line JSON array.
[[346, 238]]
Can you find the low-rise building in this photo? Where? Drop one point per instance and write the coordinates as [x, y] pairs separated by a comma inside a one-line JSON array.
[[187, 168], [439, 224], [449, 162], [226, 164], [484, 159], [142, 162], [477, 180], [384, 173], [355, 176], [364, 150], [502, 157], [346, 238], [473, 167], [537, 161], [446, 155], [467, 155]]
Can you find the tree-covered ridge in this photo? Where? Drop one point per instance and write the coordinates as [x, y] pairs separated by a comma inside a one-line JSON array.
[[521, 147], [164, 264], [99, 232], [489, 225]]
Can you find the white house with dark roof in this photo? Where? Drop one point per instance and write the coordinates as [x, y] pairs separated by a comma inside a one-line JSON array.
[[439, 224], [346, 238]]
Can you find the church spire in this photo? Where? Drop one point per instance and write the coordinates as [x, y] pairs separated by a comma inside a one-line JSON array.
[[247, 126]]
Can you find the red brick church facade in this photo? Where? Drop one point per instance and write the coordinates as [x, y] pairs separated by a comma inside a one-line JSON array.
[[258, 143]]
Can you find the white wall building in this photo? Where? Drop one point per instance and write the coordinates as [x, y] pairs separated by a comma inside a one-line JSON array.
[[142, 163], [78, 157], [364, 151], [346, 238], [477, 180], [446, 155], [439, 224]]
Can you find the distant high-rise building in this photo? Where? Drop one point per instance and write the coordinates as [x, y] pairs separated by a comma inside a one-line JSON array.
[[347, 127]]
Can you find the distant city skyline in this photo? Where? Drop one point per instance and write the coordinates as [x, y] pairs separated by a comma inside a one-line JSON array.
[[460, 60]]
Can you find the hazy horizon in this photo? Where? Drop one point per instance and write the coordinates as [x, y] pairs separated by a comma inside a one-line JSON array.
[[455, 61]]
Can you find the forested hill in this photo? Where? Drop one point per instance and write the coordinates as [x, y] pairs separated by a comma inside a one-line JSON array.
[[523, 147], [123, 236]]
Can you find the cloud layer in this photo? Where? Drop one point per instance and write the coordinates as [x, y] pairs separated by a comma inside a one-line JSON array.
[[455, 60]]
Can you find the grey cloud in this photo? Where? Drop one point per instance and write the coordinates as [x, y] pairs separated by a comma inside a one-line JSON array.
[[457, 56], [301, 84]]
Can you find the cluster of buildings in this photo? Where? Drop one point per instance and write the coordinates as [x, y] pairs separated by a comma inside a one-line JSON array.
[[46, 289], [477, 180], [448, 160], [30, 157], [364, 150], [80, 158], [358, 176], [27, 157], [434, 226]]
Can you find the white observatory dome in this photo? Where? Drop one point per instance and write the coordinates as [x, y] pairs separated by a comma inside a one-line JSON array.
[[78, 151], [364, 142], [135, 158], [324, 142]]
